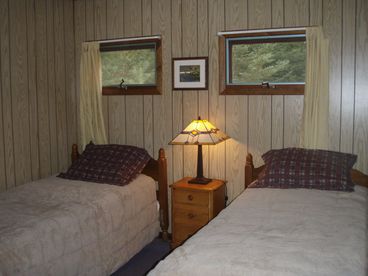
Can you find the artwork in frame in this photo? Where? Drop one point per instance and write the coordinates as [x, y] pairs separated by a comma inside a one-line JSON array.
[[190, 73]]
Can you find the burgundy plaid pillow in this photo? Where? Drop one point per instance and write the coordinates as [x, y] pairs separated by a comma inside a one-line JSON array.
[[305, 168], [110, 164]]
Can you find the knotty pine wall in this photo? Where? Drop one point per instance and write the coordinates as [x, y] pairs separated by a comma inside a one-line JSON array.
[[40, 53]]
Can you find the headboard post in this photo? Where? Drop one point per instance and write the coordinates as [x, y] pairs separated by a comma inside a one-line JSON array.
[[163, 195], [359, 178], [249, 167], [75, 153]]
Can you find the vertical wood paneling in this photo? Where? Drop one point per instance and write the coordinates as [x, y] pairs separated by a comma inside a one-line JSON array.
[[90, 20], [100, 22], [2, 146], [134, 104], [100, 19], [79, 37], [40, 55], [236, 110], [203, 51], [315, 12], [293, 112], [216, 23], [32, 90], [115, 29], [259, 14], [277, 101], [259, 132], [190, 97], [42, 89], [361, 82], [19, 86], [115, 18], [277, 13], [46, 79], [148, 99], [296, 14], [117, 126], [6, 94], [51, 85], [347, 76], [59, 54], [177, 96], [70, 76], [332, 25], [162, 105]]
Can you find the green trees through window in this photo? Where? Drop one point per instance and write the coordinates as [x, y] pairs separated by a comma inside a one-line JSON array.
[[264, 62], [278, 62], [137, 61], [135, 66]]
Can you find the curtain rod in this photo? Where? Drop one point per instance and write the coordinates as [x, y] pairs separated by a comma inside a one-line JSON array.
[[261, 30], [127, 39]]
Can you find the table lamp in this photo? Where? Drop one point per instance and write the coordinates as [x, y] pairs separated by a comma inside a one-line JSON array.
[[199, 132]]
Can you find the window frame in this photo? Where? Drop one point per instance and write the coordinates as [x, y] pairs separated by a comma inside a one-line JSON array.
[[251, 89], [132, 44]]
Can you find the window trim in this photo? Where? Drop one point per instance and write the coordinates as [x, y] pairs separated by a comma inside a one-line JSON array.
[[240, 89], [136, 89]]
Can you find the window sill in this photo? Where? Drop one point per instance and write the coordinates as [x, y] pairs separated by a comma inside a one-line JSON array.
[[131, 90], [297, 89]]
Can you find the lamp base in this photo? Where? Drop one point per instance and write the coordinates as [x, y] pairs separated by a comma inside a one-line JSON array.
[[200, 180]]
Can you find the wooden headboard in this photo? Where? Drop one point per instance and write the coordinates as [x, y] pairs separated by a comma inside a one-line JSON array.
[[157, 169], [251, 173]]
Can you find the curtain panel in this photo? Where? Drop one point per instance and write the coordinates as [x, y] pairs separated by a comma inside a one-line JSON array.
[[314, 134], [91, 117]]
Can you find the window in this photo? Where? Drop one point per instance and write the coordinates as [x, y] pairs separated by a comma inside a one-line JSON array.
[[263, 63], [131, 67]]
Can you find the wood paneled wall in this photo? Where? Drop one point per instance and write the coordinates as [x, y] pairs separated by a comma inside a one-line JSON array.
[[40, 53], [37, 89]]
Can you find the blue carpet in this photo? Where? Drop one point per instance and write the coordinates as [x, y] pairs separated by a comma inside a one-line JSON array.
[[145, 260]]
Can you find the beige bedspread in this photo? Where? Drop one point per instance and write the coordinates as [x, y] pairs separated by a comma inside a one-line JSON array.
[[56, 226], [284, 232]]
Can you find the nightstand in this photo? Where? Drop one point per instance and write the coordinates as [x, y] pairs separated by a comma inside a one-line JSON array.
[[193, 206]]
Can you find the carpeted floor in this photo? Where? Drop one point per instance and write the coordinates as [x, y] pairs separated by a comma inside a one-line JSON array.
[[145, 260]]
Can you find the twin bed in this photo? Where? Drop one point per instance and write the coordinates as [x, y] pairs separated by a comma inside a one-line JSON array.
[[275, 231], [58, 226]]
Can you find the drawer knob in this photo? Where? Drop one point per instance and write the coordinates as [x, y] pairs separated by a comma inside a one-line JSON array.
[[190, 197], [190, 215]]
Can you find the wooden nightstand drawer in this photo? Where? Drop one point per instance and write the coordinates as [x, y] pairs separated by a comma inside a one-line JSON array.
[[184, 231], [189, 214], [191, 197], [193, 206]]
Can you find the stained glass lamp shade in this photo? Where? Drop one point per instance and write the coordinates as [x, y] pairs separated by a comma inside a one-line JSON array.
[[199, 132]]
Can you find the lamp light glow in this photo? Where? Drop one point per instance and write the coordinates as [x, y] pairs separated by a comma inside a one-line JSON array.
[[200, 132]]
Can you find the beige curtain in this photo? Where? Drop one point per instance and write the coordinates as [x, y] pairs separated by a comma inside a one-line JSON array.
[[314, 134], [91, 116]]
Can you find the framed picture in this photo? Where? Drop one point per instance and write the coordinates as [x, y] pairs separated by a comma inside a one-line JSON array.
[[190, 73]]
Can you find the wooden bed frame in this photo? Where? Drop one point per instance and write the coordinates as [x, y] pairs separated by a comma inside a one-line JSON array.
[[251, 173], [157, 169]]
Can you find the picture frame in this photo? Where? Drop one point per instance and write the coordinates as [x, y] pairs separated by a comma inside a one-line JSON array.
[[190, 73]]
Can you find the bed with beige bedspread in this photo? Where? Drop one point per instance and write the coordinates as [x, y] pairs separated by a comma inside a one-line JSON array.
[[56, 226], [279, 232]]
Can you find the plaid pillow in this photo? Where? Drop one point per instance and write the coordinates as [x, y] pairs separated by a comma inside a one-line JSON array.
[[305, 168], [111, 164]]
